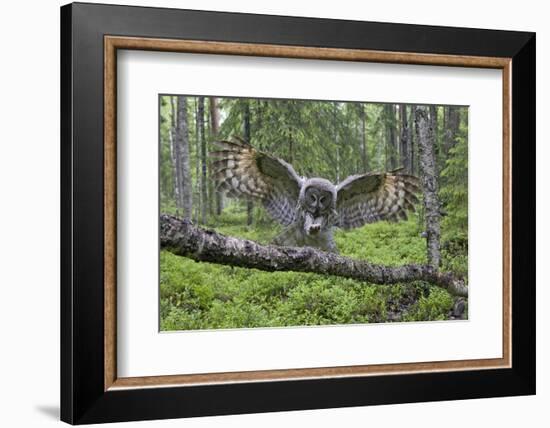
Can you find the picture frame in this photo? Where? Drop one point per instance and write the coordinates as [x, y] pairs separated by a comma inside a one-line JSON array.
[[91, 391]]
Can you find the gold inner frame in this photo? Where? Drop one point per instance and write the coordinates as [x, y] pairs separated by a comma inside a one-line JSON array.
[[113, 43]]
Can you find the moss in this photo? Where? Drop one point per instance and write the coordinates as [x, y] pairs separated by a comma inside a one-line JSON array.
[[198, 295], [434, 306]]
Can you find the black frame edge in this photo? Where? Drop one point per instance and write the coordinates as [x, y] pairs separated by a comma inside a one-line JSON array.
[[524, 213], [305, 31], [66, 316]]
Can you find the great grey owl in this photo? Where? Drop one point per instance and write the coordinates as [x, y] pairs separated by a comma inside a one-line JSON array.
[[310, 208]]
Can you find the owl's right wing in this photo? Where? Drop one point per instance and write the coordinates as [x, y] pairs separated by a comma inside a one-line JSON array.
[[243, 171], [372, 197]]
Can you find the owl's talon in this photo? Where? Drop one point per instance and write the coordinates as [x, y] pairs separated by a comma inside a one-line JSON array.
[[314, 229]]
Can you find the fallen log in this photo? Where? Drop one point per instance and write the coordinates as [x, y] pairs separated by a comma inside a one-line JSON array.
[[183, 238]]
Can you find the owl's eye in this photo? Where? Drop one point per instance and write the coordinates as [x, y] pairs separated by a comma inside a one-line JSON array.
[[324, 200]]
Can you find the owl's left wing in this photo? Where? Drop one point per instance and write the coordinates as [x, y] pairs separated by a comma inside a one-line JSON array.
[[243, 171], [372, 197]]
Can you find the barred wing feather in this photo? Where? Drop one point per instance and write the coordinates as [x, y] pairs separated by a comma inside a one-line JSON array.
[[244, 172], [372, 197]]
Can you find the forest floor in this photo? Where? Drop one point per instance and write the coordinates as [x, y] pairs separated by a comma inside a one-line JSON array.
[[199, 295]]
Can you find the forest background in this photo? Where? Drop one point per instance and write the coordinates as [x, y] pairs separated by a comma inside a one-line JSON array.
[[324, 139]]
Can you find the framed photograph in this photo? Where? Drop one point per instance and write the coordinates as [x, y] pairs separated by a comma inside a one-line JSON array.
[[265, 213]]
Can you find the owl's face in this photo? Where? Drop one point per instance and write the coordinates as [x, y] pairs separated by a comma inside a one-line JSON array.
[[317, 202]]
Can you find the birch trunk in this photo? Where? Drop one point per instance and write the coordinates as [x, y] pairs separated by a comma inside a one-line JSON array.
[[197, 189], [203, 178], [428, 175]]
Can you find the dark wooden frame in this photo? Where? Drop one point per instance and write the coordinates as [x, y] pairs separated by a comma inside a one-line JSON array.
[[90, 35]]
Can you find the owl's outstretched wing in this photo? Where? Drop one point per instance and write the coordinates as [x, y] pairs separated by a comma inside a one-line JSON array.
[[243, 171], [372, 197]]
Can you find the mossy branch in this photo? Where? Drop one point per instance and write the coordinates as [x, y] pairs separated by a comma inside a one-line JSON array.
[[185, 239]]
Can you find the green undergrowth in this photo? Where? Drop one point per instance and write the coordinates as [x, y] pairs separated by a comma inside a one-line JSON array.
[[198, 295]]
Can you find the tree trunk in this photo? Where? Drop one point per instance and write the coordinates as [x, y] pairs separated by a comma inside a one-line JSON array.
[[410, 138], [364, 159], [391, 142], [335, 139], [204, 181], [404, 138], [184, 239], [290, 147], [433, 125], [184, 164], [174, 154], [248, 138], [451, 128], [428, 175], [215, 126], [197, 189]]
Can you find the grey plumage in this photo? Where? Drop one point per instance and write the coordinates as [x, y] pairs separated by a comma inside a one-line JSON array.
[[311, 208]]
